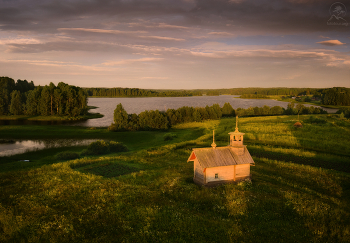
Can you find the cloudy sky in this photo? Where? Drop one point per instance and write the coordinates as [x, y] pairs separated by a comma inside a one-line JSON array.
[[176, 44]]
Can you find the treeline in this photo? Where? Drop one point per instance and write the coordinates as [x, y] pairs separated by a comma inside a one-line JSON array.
[[156, 120], [292, 109], [134, 92], [263, 91], [276, 91], [253, 96], [336, 96], [23, 98]]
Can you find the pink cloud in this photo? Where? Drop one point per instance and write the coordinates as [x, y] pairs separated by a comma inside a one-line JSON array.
[[331, 43]]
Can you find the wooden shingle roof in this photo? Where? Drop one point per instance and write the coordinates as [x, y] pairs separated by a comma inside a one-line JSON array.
[[221, 156]]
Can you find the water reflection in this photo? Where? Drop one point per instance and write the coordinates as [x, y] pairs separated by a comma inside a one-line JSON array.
[[22, 146]]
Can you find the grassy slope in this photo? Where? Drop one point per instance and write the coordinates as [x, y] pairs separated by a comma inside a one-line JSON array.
[[287, 200]]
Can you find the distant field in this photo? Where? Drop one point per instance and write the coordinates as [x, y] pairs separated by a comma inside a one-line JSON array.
[[300, 188]]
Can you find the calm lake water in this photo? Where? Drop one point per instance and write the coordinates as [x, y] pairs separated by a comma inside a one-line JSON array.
[[106, 106], [21, 146]]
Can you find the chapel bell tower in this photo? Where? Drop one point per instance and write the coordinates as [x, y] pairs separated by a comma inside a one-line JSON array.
[[236, 137]]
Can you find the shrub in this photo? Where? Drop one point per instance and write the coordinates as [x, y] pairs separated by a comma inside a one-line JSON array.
[[67, 155], [113, 128], [169, 136], [117, 147], [102, 147], [315, 120], [98, 147]]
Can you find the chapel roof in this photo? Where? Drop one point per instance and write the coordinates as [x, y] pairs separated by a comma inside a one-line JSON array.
[[221, 156]]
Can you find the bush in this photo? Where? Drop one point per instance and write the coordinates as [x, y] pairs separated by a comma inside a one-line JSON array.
[[113, 128], [67, 155], [98, 147], [116, 147], [315, 120], [169, 136], [102, 147]]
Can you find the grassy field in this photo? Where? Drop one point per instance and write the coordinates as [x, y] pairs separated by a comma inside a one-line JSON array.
[[300, 188]]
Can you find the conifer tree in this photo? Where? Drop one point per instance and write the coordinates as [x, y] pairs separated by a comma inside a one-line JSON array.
[[16, 103], [227, 110]]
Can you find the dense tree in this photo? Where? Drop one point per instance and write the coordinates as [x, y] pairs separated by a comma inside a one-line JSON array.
[[277, 110], [7, 85], [265, 110], [58, 101], [33, 99], [217, 110], [51, 89], [44, 102], [120, 118], [336, 96], [127, 92], [227, 110], [23, 86], [16, 103], [152, 120], [48, 100]]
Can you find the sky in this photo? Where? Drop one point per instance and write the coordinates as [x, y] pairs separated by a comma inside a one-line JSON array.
[[177, 44]]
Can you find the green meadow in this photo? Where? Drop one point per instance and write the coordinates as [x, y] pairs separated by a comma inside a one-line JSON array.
[[299, 192]]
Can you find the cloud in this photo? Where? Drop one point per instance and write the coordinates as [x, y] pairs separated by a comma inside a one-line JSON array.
[[220, 33], [68, 46], [101, 31], [298, 57], [20, 41], [184, 40], [261, 53], [267, 16], [163, 38], [130, 61], [331, 43], [170, 26]]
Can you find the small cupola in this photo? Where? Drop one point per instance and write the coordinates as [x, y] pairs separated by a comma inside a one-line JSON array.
[[236, 137]]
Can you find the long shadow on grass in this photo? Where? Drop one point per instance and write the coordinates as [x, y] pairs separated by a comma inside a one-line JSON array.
[[339, 164], [318, 134], [107, 169]]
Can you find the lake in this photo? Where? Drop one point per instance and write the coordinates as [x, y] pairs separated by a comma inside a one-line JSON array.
[[106, 106]]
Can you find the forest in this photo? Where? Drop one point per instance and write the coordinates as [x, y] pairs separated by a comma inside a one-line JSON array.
[[261, 92], [264, 91], [156, 120], [336, 96], [24, 98], [135, 92]]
